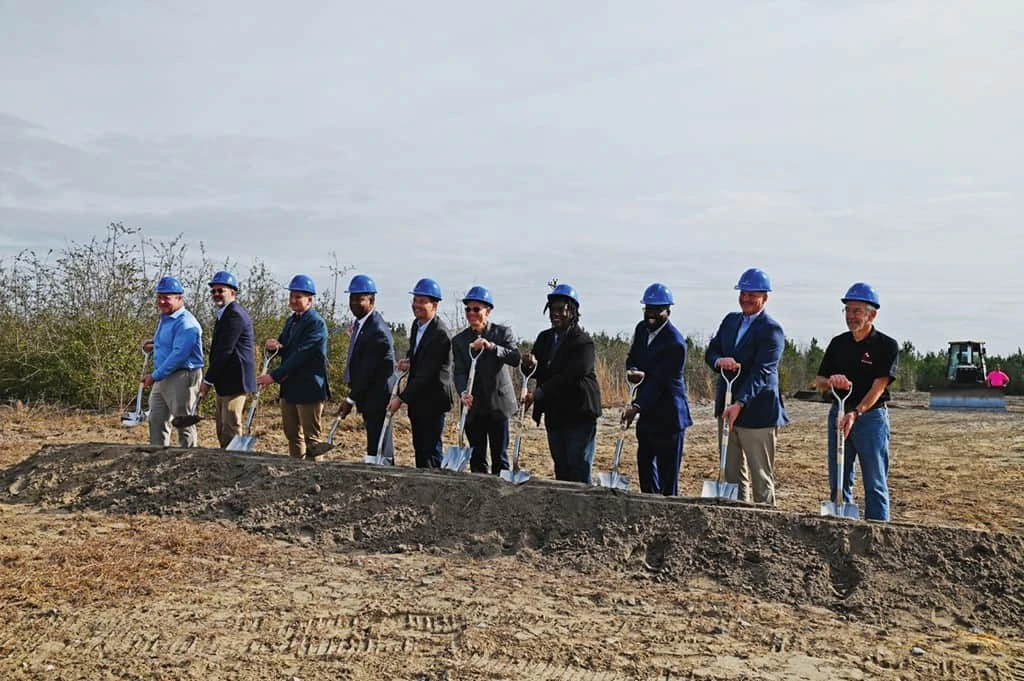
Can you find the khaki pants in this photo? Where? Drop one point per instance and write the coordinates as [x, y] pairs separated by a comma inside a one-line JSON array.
[[229, 419], [169, 398], [750, 462], [302, 425]]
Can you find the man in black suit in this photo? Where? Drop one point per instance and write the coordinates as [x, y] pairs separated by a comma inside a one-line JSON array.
[[493, 399], [428, 391], [232, 370], [370, 365]]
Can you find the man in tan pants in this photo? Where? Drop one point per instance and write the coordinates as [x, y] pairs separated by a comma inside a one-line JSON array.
[[232, 370], [751, 343]]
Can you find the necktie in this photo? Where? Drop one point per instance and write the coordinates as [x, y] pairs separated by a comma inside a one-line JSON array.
[[351, 345], [744, 325]]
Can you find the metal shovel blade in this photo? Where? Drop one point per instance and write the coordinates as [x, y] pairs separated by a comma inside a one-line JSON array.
[[133, 418], [241, 443], [843, 510], [456, 458], [186, 420], [713, 489], [515, 475], [377, 460], [613, 480]]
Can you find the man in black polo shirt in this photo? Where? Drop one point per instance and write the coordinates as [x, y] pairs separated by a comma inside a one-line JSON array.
[[862, 360]]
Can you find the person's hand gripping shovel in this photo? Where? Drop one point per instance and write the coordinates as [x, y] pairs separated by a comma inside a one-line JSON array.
[[613, 479], [517, 475], [456, 458], [246, 443], [719, 489], [137, 417], [836, 507]]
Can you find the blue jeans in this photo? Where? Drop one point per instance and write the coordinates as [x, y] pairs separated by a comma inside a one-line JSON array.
[[572, 450], [869, 442]]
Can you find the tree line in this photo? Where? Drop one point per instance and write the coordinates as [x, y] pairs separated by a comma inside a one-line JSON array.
[[72, 321]]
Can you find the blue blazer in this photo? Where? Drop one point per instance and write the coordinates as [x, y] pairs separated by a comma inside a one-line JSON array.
[[371, 366], [662, 395], [232, 368], [758, 353], [303, 370]]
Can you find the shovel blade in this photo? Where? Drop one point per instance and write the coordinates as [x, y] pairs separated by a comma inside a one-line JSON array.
[[456, 458], [377, 460], [613, 480], [843, 510], [713, 489], [517, 477], [134, 418], [241, 443], [186, 420]]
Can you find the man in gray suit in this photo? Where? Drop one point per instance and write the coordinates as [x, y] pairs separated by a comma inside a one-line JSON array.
[[493, 399]]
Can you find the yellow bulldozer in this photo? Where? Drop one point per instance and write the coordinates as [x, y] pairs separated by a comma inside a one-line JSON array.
[[965, 386]]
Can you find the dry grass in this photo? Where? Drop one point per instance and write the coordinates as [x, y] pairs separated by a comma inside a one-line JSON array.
[[68, 561]]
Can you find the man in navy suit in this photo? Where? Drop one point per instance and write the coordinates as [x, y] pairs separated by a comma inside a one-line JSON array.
[[232, 370], [659, 350], [302, 374], [493, 399], [428, 391], [751, 342], [370, 365]]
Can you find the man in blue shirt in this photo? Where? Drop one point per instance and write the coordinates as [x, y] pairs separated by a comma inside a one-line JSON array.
[[177, 349]]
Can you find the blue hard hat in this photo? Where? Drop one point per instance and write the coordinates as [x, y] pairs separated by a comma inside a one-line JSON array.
[[479, 294], [362, 283], [658, 294], [302, 283], [862, 292], [169, 285], [754, 280], [564, 291], [224, 279], [427, 287]]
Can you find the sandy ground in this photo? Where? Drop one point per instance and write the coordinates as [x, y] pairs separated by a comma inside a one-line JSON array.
[[127, 561]]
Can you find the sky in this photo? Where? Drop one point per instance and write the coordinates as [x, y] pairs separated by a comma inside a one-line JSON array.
[[608, 146]]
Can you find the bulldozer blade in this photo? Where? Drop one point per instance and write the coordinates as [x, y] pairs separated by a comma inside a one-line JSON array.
[[978, 399], [456, 458], [713, 489], [241, 443], [843, 510]]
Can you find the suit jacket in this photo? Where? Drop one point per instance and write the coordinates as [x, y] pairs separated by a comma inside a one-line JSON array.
[[567, 392], [661, 398], [232, 369], [303, 370], [758, 353], [371, 366], [428, 388], [492, 386]]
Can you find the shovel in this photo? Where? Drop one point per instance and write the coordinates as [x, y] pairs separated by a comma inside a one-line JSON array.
[[837, 507], [192, 417], [517, 475], [380, 459], [457, 458], [613, 479], [246, 443], [720, 489], [137, 417]]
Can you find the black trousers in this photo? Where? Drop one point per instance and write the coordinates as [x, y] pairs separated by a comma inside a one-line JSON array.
[[426, 438], [489, 428]]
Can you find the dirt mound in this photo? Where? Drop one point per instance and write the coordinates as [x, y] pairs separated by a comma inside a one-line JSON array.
[[863, 570]]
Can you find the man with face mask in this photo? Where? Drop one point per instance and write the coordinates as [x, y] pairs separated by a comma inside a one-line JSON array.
[[567, 395], [177, 349], [370, 364], [493, 399], [428, 390], [751, 342], [864, 361], [232, 370], [302, 373], [659, 350]]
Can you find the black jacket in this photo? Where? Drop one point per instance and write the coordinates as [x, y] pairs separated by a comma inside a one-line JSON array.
[[429, 389], [371, 366], [232, 369], [567, 392]]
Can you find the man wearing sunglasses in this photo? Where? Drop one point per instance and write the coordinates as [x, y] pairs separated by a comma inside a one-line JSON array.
[[493, 399], [232, 370]]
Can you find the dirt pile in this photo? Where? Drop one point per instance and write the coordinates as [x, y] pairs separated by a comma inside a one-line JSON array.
[[859, 569]]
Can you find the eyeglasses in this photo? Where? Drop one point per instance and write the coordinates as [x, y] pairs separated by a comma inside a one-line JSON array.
[[474, 309]]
